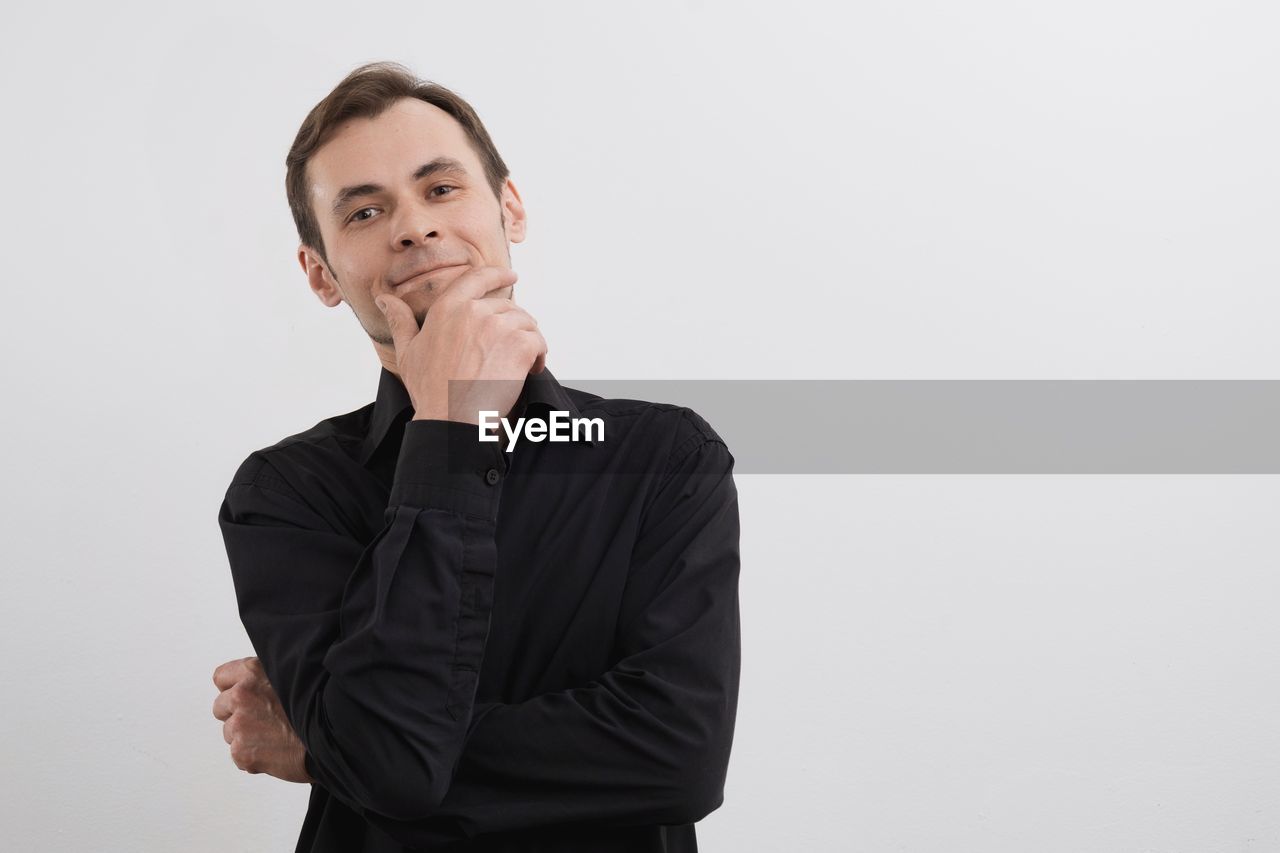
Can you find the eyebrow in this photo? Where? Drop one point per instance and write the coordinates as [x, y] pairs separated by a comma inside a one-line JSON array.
[[440, 165]]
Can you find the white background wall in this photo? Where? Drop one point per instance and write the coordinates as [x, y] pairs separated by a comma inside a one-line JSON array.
[[891, 190]]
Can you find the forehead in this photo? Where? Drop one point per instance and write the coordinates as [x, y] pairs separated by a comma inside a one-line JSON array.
[[387, 149]]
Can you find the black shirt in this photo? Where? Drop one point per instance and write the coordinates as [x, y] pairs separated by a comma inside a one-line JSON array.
[[481, 650]]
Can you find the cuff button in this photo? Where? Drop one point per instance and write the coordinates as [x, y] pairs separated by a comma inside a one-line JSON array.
[[492, 476]]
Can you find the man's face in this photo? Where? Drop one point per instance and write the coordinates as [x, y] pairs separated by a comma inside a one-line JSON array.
[[404, 208]]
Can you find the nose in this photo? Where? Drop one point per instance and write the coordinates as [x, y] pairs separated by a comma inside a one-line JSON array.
[[415, 226]]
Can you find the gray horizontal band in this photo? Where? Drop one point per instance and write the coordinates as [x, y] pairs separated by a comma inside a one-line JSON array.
[[795, 426]]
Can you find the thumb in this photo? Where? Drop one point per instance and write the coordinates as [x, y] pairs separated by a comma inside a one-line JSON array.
[[400, 319]]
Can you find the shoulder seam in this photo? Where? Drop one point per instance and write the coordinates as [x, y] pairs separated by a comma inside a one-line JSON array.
[[269, 484], [265, 481]]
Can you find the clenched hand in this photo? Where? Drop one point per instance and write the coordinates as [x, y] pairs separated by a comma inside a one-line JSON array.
[[254, 724]]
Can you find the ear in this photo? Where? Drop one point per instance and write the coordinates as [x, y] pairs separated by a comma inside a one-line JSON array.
[[513, 215], [318, 277]]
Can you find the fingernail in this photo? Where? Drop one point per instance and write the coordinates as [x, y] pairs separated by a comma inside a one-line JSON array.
[[381, 303]]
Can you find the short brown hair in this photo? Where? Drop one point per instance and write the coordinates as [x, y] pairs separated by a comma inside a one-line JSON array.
[[366, 93]]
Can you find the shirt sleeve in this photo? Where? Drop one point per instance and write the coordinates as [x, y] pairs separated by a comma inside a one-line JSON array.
[[374, 651], [648, 742]]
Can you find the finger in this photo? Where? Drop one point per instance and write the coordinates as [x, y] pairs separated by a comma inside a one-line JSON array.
[[539, 346], [522, 331], [222, 706], [226, 731], [517, 317], [496, 305], [229, 673], [478, 283], [404, 326], [502, 294]]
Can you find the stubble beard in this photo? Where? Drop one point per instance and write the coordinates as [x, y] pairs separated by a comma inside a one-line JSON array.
[[383, 336]]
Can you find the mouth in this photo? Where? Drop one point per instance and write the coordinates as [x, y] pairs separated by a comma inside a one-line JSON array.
[[414, 281]]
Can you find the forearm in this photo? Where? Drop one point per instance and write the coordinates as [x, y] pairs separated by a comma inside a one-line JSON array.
[[379, 685], [647, 742], [628, 750]]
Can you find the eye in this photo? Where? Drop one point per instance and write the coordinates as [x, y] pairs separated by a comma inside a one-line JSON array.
[[356, 217], [443, 187]]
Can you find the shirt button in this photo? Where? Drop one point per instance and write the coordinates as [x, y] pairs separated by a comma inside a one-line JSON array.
[[492, 476]]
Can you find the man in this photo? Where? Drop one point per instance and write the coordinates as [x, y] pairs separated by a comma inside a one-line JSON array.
[[463, 644]]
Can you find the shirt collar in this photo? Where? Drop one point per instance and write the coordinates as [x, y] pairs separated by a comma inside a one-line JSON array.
[[392, 403]]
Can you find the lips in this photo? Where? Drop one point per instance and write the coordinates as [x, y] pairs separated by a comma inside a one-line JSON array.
[[415, 277]]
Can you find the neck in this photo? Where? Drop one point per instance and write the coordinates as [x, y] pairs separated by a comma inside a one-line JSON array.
[[387, 355]]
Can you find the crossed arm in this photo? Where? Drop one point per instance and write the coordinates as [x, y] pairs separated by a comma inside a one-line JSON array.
[[381, 696], [260, 737]]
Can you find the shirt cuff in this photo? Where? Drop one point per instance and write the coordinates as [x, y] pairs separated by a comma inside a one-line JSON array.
[[444, 465]]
